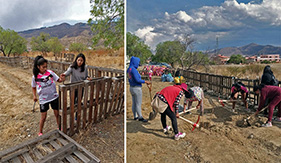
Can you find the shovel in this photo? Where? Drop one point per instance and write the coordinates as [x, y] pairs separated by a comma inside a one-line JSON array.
[[33, 107], [152, 114], [247, 119]]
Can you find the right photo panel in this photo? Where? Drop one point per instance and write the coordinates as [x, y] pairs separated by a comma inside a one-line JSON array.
[[202, 81]]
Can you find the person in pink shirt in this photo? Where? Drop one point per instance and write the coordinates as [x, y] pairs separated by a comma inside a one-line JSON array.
[[235, 89], [273, 93], [43, 81]]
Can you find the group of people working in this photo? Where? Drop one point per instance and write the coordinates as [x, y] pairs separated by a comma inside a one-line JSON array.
[[270, 94]]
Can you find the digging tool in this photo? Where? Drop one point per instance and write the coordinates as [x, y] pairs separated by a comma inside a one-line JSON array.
[[247, 119], [152, 114], [188, 110], [222, 101], [33, 107], [195, 125]]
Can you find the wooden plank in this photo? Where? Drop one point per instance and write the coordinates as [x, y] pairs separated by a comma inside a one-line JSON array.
[[64, 115], [89, 154], [37, 153], [115, 83], [59, 154], [117, 98], [102, 99], [86, 86], [16, 160], [16, 154], [92, 86], [96, 102], [109, 83], [79, 107], [72, 95], [81, 156], [29, 142], [68, 158], [27, 157]]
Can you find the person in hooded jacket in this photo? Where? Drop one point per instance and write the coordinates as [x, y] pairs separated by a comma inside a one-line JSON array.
[[136, 88], [268, 79]]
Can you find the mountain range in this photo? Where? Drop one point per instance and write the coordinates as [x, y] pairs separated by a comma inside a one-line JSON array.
[[248, 50], [67, 34]]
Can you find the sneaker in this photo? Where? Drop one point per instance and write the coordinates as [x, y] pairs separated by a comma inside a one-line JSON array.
[[179, 135], [136, 118], [167, 129], [143, 120], [268, 124], [40, 134], [278, 119]]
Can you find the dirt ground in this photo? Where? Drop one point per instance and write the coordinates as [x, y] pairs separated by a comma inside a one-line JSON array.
[[223, 138], [18, 123]]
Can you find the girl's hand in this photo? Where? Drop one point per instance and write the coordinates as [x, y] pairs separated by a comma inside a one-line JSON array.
[[35, 99], [88, 78], [62, 77], [177, 115]]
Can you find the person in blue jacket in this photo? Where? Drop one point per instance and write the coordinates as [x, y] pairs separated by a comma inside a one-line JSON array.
[[136, 88]]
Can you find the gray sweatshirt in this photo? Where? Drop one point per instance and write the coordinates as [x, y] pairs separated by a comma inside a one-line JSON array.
[[76, 74]]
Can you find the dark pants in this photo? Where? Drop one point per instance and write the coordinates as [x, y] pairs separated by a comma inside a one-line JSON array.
[[173, 118], [76, 95]]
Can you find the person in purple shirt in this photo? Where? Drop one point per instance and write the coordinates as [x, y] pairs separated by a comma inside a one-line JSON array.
[[235, 89], [273, 93]]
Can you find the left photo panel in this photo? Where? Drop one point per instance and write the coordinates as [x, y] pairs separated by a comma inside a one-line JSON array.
[[62, 81]]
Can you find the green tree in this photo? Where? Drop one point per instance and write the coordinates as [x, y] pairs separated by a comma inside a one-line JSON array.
[[41, 44], [107, 22], [11, 42], [136, 47], [55, 46], [169, 52], [77, 47], [236, 59]]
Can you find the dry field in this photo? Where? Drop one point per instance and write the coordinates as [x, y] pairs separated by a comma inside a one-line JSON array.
[[223, 138], [18, 123]]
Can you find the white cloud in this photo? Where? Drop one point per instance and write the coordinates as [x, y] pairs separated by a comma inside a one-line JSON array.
[[207, 22], [26, 14]]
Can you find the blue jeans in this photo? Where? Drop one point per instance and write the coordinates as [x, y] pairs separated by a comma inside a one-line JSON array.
[[136, 93]]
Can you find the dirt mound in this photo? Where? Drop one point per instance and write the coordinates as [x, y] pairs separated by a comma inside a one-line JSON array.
[[219, 139]]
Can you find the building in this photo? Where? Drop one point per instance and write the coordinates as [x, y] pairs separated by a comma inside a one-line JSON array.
[[251, 59], [269, 57], [221, 59]]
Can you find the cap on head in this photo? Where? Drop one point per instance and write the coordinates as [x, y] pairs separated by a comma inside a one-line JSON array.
[[184, 86]]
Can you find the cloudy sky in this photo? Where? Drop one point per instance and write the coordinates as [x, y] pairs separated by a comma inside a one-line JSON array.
[[21, 15], [234, 22]]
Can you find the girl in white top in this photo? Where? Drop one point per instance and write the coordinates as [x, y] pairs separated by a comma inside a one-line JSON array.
[[43, 81]]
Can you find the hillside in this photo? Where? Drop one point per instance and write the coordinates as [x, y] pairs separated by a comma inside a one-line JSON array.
[[249, 50], [80, 32]]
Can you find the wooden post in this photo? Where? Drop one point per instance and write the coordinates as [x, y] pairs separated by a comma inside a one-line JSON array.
[[92, 85], [97, 100], [64, 112], [101, 111], [85, 103], [72, 93], [79, 101], [108, 86]]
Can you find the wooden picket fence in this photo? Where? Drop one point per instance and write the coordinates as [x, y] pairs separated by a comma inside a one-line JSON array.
[[96, 100], [220, 85]]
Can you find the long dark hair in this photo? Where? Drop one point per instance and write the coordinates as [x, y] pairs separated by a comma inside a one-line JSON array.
[[39, 60], [74, 64], [258, 87]]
